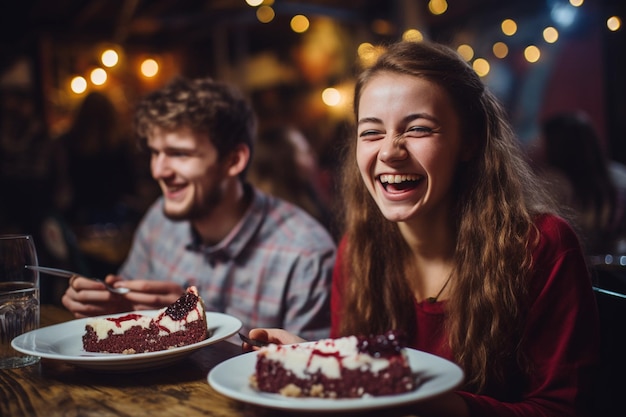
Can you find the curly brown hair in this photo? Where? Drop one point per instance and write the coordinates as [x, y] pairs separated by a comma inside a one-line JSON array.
[[497, 199], [205, 106]]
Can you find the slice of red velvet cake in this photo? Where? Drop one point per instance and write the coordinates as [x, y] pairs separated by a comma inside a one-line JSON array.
[[348, 367], [180, 324]]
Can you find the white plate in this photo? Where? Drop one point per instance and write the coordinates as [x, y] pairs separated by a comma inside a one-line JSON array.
[[435, 376], [63, 342]]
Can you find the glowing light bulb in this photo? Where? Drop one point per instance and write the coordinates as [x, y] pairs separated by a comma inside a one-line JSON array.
[[78, 84], [466, 51], [532, 53], [300, 23], [412, 35], [149, 68], [265, 14], [481, 66], [614, 23], [109, 58], [500, 50], [331, 96], [509, 27], [98, 76], [550, 34]]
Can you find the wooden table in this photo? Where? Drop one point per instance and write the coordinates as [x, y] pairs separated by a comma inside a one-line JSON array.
[[53, 388]]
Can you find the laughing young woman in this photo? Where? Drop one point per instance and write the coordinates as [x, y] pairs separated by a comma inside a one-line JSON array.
[[449, 238]]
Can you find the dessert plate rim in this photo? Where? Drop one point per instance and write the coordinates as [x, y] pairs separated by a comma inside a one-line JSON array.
[[435, 376], [63, 342]]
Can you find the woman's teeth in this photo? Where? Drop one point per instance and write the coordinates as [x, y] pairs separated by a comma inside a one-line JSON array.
[[397, 178]]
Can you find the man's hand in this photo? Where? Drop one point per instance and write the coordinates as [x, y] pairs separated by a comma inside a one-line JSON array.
[[86, 298]]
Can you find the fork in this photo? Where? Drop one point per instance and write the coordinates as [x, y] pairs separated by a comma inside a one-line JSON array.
[[68, 274], [252, 342]]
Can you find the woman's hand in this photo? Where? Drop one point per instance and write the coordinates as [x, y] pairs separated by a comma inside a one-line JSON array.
[[277, 336]]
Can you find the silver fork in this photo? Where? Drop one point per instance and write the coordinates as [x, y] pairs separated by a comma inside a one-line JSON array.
[[68, 274]]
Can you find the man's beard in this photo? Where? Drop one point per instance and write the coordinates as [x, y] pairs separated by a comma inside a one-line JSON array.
[[196, 209]]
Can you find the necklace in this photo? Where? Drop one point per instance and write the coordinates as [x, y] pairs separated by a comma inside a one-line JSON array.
[[434, 299]]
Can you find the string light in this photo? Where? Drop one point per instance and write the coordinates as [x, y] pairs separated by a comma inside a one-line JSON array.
[[466, 51], [613, 23], [500, 50], [331, 97], [412, 35], [78, 84], [265, 14], [550, 34], [532, 53], [368, 53], [149, 68], [509, 27], [98, 76], [109, 58], [481, 66], [299, 23], [437, 7]]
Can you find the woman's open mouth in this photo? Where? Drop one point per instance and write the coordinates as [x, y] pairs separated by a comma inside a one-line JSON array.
[[399, 182]]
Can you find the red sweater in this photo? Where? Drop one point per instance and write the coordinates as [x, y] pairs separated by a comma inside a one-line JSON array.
[[561, 333]]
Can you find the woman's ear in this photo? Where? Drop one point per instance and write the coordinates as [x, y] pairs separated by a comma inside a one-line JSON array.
[[238, 159]]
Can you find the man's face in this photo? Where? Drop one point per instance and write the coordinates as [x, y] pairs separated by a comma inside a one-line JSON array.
[[188, 169]]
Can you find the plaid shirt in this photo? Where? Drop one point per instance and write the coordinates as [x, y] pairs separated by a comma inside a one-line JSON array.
[[273, 270]]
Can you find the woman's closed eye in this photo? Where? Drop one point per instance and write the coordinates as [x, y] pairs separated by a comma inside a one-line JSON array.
[[371, 134], [420, 131]]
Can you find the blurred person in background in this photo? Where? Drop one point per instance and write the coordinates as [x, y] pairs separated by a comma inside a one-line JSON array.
[[96, 199], [251, 255], [570, 157], [96, 178], [285, 165]]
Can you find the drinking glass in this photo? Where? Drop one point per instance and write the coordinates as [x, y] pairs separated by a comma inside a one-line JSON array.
[[19, 297]]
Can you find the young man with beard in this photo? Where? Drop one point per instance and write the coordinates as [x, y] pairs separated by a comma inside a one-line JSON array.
[[251, 255]]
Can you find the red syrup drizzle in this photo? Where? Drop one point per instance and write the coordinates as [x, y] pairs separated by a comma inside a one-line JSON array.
[[178, 311], [317, 352], [119, 320], [379, 346]]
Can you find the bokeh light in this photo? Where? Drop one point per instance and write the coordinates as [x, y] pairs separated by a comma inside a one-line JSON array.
[[98, 76], [466, 51], [300, 23], [500, 49], [437, 7], [550, 34], [109, 58], [368, 53], [509, 27], [614, 23], [481, 66], [265, 14], [331, 97], [78, 85], [412, 35], [532, 53], [149, 68]]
